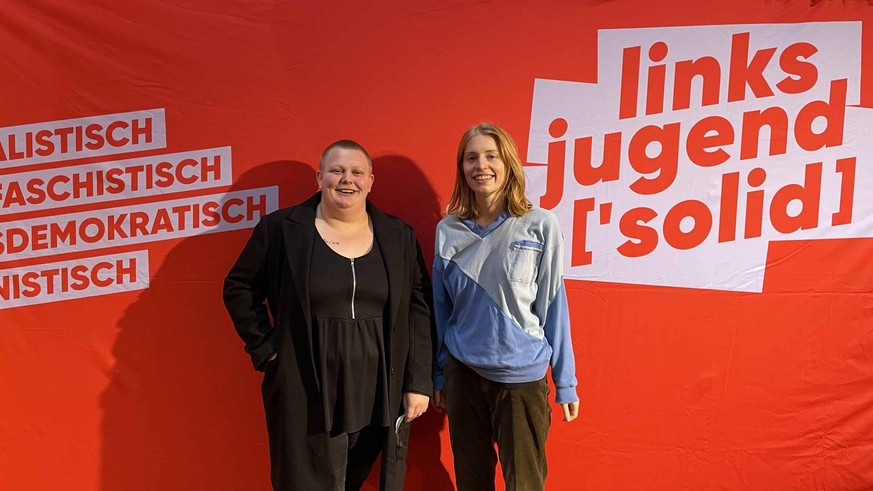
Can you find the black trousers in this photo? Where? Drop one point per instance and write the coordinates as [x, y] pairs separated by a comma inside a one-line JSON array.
[[339, 462], [352, 456], [515, 416]]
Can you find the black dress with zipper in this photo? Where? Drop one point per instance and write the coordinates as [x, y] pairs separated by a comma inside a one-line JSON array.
[[348, 298]]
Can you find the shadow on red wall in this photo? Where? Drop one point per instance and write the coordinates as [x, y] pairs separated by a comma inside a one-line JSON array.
[[401, 189], [183, 407]]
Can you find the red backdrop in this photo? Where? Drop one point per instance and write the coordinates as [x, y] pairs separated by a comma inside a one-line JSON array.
[[137, 379]]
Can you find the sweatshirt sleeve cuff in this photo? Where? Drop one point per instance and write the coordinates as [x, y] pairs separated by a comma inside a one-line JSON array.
[[438, 381], [565, 395]]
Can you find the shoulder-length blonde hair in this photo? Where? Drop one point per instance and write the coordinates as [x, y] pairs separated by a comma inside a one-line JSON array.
[[463, 202]]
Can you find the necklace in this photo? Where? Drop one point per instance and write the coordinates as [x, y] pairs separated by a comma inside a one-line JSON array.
[[331, 242]]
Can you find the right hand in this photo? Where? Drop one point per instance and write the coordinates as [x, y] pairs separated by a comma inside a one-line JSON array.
[[570, 410], [438, 401]]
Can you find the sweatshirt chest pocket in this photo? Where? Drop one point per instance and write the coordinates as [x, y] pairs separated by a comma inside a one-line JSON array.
[[524, 257]]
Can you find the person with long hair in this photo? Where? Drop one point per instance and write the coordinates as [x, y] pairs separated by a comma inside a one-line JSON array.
[[332, 300], [501, 318]]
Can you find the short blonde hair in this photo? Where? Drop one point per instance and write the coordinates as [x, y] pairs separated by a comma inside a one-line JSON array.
[[345, 145], [463, 203]]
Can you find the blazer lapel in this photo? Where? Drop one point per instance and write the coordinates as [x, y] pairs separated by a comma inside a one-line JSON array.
[[390, 242], [298, 231]]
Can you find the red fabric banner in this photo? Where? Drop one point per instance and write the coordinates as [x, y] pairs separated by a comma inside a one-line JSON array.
[[711, 165]]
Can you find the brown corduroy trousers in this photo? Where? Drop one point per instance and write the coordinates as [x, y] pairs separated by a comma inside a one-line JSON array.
[[481, 413]]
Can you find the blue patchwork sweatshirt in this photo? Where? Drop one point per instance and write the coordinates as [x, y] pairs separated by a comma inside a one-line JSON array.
[[499, 300]]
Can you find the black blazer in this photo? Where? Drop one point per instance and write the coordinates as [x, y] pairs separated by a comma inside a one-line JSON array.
[[275, 266]]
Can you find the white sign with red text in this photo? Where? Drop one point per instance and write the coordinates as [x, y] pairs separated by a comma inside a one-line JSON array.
[[78, 278], [92, 136], [39, 219], [698, 146]]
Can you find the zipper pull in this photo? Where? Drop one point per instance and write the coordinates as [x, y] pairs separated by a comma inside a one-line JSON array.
[[354, 286]]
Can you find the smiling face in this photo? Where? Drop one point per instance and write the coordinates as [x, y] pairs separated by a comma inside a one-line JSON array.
[[484, 170], [345, 179]]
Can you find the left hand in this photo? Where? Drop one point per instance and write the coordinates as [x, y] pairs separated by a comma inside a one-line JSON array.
[[571, 410], [414, 404]]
